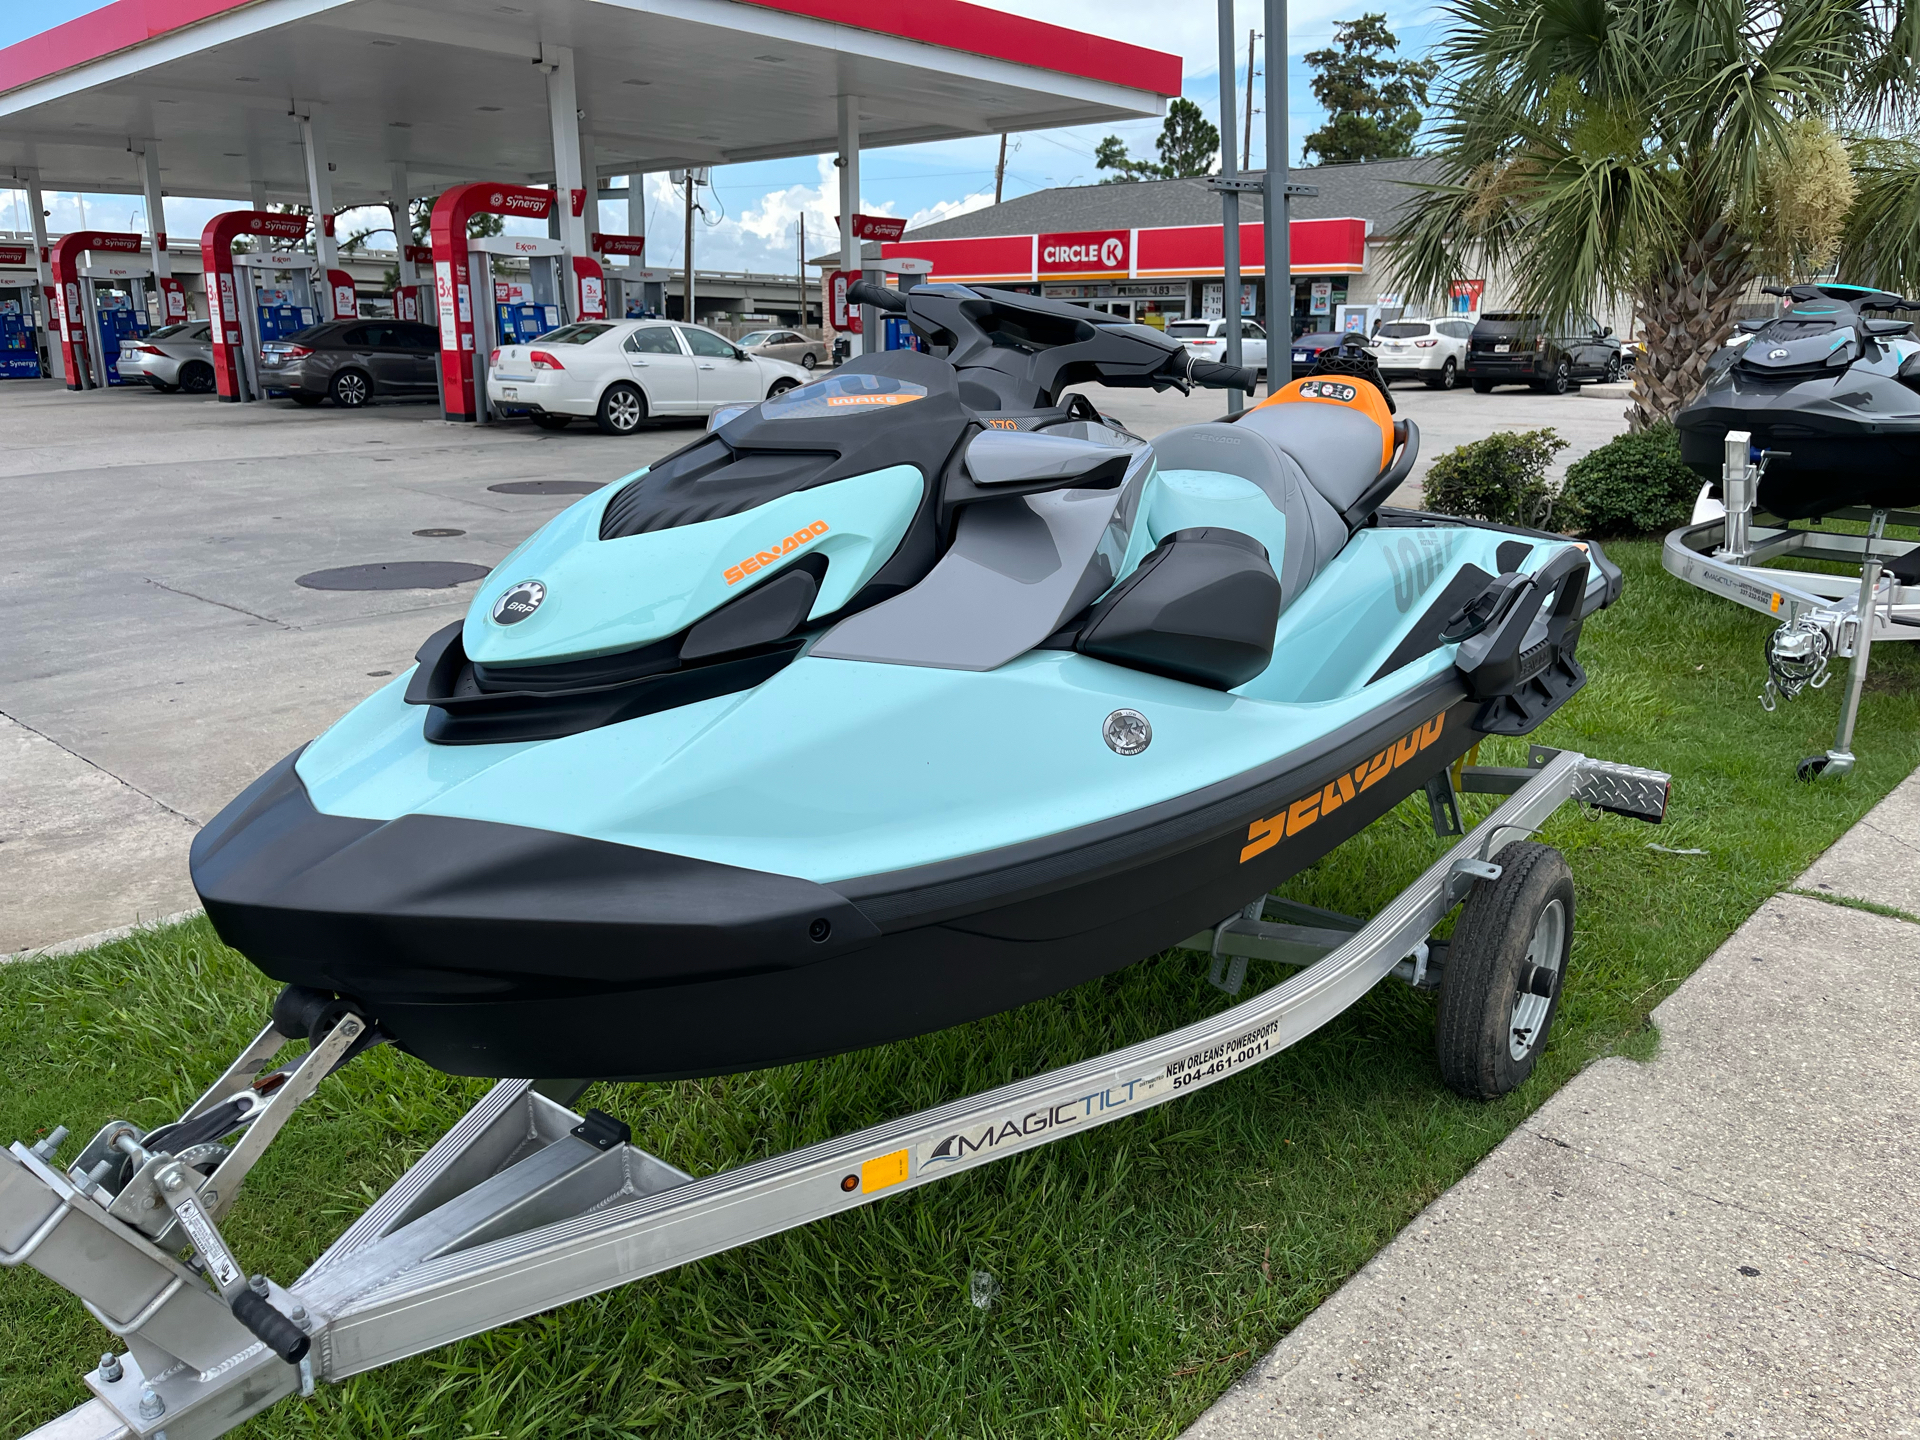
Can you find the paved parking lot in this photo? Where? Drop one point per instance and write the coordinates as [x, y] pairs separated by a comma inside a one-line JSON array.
[[159, 654]]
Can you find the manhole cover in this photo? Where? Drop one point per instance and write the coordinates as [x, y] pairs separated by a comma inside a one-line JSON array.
[[397, 575], [439, 532], [544, 487]]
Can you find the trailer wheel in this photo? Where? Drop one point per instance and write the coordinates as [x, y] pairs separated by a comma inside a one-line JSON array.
[[1504, 969]]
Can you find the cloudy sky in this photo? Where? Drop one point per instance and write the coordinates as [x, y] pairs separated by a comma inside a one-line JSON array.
[[760, 204]]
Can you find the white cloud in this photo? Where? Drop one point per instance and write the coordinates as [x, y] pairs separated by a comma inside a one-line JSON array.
[[947, 209]]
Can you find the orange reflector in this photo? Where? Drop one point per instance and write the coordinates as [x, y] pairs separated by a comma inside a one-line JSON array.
[[1775, 606], [887, 1170]]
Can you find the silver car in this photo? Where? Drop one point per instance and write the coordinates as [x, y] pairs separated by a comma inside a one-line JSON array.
[[174, 357], [788, 345]]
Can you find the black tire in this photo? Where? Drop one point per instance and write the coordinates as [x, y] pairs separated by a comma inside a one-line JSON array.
[[350, 389], [781, 386], [1508, 955], [197, 378], [1560, 382], [1448, 377], [1615, 370], [553, 422], [808, 361], [622, 409], [1483, 387]]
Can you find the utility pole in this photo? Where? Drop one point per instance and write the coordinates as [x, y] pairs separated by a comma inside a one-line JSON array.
[[1246, 158], [686, 288], [1279, 254], [1230, 212], [1000, 170], [800, 272]]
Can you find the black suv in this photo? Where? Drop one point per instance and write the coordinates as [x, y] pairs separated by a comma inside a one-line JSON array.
[[1511, 347], [351, 361]]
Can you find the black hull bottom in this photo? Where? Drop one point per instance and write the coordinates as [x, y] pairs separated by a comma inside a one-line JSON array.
[[1821, 470], [493, 950]]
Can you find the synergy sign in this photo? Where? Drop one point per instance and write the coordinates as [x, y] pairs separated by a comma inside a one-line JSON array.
[[1085, 252]]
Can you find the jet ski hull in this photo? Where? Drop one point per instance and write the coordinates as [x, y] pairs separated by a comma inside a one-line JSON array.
[[1826, 456], [493, 949]]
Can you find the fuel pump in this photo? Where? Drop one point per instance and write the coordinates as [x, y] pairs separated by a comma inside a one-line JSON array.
[[277, 299], [19, 325], [521, 310], [89, 265], [114, 297]]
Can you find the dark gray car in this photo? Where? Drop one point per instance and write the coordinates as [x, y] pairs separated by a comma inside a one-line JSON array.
[[351, 361], [1511, 347]]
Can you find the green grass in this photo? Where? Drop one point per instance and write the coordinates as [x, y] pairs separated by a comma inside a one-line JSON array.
[[1142, 1266]]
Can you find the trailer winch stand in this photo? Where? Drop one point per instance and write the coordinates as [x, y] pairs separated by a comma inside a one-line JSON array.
[[524, 1205], [1822, 617]]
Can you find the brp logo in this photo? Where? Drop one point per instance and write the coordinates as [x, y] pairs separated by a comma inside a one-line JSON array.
[[1780, 354], [520, 601], [1112, 252]]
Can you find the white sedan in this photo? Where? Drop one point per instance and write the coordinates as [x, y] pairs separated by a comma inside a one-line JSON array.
[[1207, 340], [619, 372]]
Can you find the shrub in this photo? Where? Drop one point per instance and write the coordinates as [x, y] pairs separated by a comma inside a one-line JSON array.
[[1633, 484], [1502, 478]]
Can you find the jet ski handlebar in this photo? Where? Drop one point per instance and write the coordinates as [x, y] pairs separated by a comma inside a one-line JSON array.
[[1211, 376], [865, 292]]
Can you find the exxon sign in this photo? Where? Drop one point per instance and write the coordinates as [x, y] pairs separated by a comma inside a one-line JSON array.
[[1084, 252]]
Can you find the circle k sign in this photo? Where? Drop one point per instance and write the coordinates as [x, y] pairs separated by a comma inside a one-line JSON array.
[[1103, 251]]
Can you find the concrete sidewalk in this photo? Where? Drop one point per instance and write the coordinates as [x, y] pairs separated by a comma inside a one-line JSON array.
[[1723, 1242]]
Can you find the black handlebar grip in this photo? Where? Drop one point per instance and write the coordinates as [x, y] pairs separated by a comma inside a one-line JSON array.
[[270, 1327], [865, 292], [1223, 377]]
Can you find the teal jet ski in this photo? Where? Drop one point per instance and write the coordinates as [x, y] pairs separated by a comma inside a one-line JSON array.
[[907, 696]]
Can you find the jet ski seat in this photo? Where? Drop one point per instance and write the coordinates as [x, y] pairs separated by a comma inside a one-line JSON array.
[[1325, 463], [1340, 433]]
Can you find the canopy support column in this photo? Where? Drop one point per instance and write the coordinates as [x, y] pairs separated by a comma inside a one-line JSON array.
[[401, 208], [850, 247], [37, 212], [336, 301], [563, 114], [1279, 255], [173, 298]]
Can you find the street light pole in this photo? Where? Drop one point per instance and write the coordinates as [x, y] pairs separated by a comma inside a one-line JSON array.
[[1229, 208], [1278, 257]]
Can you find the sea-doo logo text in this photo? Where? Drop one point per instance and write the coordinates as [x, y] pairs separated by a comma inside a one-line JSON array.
[[1263, 835], [771, 555], [519, 602], [1009, 1130]]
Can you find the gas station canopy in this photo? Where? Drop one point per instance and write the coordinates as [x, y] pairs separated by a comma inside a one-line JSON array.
[[455, 89]]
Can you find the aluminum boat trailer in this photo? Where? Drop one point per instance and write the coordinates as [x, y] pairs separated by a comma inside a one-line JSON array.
[[524, 1204], [1822, 617]]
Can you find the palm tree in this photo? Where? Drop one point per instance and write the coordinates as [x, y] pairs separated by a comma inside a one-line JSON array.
[[1671, 152]]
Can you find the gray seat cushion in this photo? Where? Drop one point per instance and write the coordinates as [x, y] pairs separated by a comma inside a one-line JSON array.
[[1338, 449], [1315, 531]]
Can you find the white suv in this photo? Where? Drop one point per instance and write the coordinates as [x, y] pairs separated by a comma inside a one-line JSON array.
[[1207, 340], [1431, 350]]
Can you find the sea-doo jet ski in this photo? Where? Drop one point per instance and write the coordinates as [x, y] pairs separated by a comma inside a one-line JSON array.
[[905, 697], [1831, 396]]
